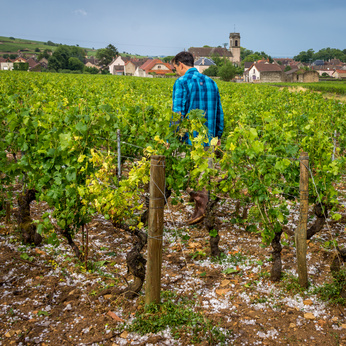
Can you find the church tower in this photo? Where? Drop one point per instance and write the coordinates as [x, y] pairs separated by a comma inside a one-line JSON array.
[[234, 47]]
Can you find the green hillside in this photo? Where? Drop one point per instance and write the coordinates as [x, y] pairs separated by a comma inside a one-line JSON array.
[[11, 45]]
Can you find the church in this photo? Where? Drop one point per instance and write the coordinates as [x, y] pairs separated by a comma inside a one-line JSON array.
[[233, 53]]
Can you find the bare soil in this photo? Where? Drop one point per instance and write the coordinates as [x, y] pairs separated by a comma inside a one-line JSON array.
[[48, 298]]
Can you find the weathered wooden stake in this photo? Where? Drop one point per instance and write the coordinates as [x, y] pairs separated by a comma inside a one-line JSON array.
[[300, 235], [155, 229]]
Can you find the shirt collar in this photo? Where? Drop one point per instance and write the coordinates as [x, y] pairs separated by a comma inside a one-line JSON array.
[[191, 70]]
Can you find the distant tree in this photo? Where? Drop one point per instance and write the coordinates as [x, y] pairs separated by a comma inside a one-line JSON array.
[[6, 56], [78, 52], [21, 66], [227, 71], [211, 71], [329, 53], [91, 70], [75, 64], [217, 59], [239, 71], [11, 38], [244, 53], [287, 68], [45, 54], [253, 57], [307, 56], [50, 43], [13, 56], [59, 60], [206, 46], [263, 55], [168, 58], [106, 55], [37, 50]]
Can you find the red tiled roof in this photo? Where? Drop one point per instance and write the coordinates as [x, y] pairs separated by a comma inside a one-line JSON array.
[[32, 62], [20, 59], [149, 64], [160, 71]]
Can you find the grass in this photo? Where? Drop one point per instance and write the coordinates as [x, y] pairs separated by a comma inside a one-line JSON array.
[[334, 292], [290, 283], [177, 313]]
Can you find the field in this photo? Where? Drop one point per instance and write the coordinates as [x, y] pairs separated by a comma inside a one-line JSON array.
[[28, 47], [231, 279]]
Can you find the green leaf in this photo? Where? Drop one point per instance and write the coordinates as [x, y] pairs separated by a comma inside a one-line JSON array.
[[230, 270], [65, 140], [81, 127], [213, 233], [336, 216]]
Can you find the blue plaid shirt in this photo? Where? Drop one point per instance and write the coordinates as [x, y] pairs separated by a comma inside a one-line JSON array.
[[197, 91]]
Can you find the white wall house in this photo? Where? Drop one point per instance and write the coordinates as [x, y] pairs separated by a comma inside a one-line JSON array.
[[117, 66], [6, 66]]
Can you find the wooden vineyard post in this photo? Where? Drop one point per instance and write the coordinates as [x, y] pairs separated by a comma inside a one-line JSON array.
[[300, 235], [155, 229]]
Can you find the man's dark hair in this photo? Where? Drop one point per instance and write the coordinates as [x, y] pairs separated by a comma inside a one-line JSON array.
[[184, 57]]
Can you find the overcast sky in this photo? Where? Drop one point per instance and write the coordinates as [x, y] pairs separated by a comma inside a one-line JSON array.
[[153, 27]]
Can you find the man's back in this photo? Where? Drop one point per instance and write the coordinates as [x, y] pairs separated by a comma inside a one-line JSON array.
[[196, 91]]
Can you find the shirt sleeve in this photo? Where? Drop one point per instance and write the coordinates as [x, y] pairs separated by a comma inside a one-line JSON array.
[[179, 98], [219, 119]]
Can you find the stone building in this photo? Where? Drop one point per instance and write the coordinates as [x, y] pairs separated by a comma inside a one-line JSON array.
[[234, 47], [203, 64], [232, 54], [301, 76], [263, 71]]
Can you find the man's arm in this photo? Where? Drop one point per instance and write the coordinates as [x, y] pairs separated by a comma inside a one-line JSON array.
[[179, 98], [219, 119]]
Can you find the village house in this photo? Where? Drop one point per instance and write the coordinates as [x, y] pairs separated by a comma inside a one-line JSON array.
[[263, 71], [339, 74], [324, 70], [117, 66], [210, 52], [153, 67], [6, 64], [301, 76], [232, 54], [283, 61], [203, 64], [132, 65], [20, 60], [90, 64]]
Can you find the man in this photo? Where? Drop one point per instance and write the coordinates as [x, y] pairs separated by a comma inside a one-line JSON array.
[[194, 90]]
